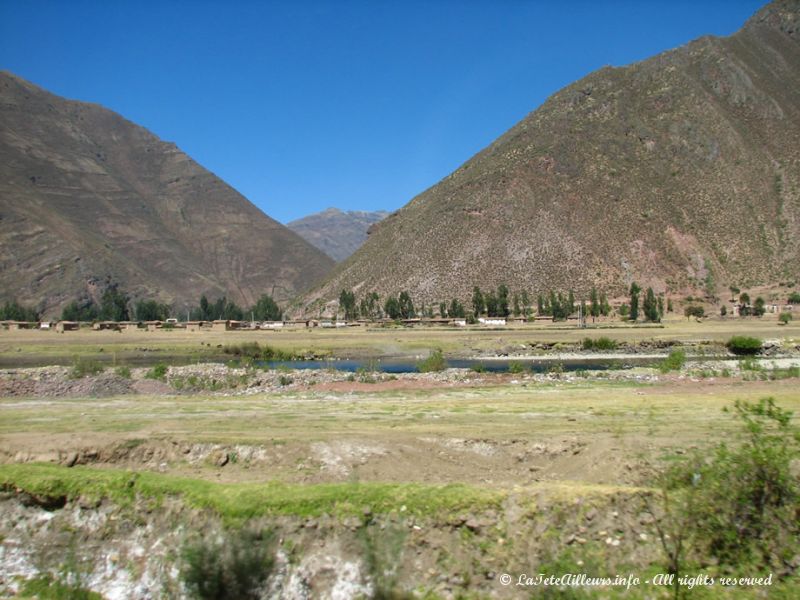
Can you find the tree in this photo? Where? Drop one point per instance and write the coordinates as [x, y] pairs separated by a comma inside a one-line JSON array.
[[443, 309], [651, 306], [266, 309], [150, 310], [370, 307], [595, 303], [605, 307], [759, 307], [205, 310], [478, 303], [13, 311], [517, 307], [347, 302], [406, 306], [555, 306], [526, 304], [502, 301], [114, 304], [571, 303], [694, 311], [635, 289], [540, 305], [392, 308], [660, 307], [669, 305], [734, 292], [227, 310], [492, 305], [784, 318], [83, 311], [457, 309], [744, 304], [219, 309]]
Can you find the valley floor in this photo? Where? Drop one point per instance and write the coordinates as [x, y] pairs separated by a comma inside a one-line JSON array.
[[458, 478]]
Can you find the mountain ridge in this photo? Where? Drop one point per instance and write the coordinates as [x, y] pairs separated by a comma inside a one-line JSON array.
[[679, 171], [87, 196]]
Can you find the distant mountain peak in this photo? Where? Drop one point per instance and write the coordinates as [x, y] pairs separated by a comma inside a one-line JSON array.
[[336, 232]]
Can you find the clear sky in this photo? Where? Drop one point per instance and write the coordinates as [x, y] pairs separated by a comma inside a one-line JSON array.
[[359, 105]]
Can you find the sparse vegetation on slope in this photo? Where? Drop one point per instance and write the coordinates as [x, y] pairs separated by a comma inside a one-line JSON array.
[[624, 175]]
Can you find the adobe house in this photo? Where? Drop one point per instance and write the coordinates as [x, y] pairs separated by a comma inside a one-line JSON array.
[[194, 325], [63, 326], [153, 325], [129, 325], [220, 325]]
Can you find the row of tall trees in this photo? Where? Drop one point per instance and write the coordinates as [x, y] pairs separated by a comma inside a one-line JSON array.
[[115, 305], [652, 306], [400, 307], [491, 303], [12, 310], [265, 309]]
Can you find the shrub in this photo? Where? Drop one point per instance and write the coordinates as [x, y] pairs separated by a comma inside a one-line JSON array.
[[739, 504], [750, 364], [557, 368], [794, 298], [45, 587], [124, 371], [232, 567], [601, 343], [255, 351], [285, 380], [434, 362], [366, 375], [784, 318], [478, 368], [83, 368], [159, 371], [673, 362], [694, 311], [516, 367], [743, 345]]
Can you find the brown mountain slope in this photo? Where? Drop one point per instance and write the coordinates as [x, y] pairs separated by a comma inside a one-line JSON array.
[[676, 172], [337, 233], [86, 195]]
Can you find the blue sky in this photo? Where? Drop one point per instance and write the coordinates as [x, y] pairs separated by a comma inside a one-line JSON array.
[[359, 105]]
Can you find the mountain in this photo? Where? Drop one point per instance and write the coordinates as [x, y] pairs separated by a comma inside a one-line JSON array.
[[681, 172], [338, 234], [87, 196]]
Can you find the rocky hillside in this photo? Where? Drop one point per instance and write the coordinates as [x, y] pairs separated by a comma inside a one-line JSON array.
[[681, 172], [337, 233], [86, 195]]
